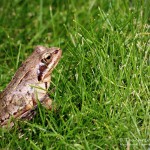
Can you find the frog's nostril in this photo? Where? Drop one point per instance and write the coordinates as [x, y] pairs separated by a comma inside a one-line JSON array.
[[56, 51]]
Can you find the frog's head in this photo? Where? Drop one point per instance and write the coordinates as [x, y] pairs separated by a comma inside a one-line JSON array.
[[49, 57]]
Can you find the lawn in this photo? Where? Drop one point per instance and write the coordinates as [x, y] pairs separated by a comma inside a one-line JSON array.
[[101, 85]]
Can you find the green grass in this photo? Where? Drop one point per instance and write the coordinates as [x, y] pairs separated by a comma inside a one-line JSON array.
[[102, 81]]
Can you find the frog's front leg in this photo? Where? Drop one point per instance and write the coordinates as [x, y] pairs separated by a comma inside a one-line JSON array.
[[47, 103]]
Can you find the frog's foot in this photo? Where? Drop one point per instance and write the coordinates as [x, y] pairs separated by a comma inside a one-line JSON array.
[[47, 103]]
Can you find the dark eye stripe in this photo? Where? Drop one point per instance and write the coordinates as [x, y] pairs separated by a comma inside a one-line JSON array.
[[40, 71]]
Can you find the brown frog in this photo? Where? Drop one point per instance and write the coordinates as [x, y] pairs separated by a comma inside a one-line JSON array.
[[29, 85]]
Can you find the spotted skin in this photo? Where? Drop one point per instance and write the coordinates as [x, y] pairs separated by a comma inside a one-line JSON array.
[[29, 85]]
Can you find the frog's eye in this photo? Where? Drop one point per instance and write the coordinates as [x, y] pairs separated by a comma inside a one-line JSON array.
[[46, 59]]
